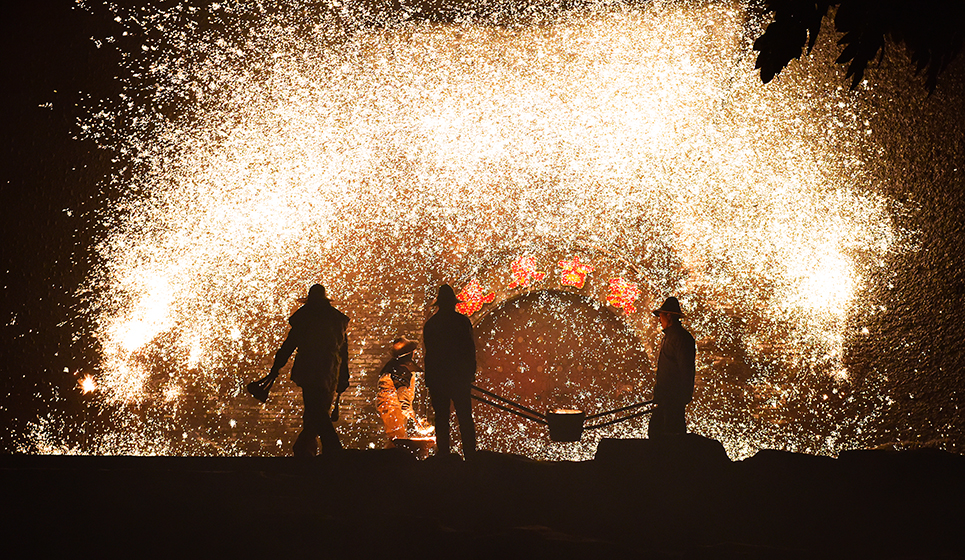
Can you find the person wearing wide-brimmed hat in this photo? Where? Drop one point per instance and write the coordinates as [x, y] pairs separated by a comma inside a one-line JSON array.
[[396, 391], [674, 386], [318, 331], [450, 363]]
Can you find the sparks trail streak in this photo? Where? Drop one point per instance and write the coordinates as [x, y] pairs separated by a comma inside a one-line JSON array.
[[300, 154]]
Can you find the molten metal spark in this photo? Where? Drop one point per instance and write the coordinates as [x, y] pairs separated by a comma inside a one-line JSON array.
[[87, 384], [297, 153]]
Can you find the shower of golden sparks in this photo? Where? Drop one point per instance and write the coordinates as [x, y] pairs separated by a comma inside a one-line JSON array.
[[299, 154]]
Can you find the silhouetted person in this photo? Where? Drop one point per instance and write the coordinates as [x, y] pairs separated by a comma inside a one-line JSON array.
[[450, 370], [320, 368], [674, 387], [394, 400]]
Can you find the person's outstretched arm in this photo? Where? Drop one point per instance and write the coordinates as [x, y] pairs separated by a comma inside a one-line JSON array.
[[283, 353]]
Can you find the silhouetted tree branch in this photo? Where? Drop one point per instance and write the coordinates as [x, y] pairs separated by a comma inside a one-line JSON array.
[[931, 30]]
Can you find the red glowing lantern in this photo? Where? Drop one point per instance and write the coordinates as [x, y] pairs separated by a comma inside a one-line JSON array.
[[574, 272], [524, 270], [623, 294], [473, 297]]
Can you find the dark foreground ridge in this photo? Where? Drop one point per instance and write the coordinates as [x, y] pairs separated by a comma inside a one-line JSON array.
[[636, 499]]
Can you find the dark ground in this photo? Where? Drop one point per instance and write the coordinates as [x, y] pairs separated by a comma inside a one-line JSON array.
[[636, 499]]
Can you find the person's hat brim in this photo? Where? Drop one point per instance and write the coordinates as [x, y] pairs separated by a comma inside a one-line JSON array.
[[657, 312], [403, 347], [671, 306]]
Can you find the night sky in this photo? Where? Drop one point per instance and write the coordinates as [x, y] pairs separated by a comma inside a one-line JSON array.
[[53, 187], [50, 186]]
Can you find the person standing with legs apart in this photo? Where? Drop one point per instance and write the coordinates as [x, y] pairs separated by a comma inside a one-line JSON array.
[[318, 331], [674, 386], [450, 363]]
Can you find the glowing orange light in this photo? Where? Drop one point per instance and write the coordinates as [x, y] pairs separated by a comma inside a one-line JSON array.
[[425, 431], [623, 294], [87, 384], [473, 297], [524, 270], [574, 272]]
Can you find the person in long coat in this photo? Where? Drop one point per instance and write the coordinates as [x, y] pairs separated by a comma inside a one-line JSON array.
[[676, 368], [318, 332], [450, 363]]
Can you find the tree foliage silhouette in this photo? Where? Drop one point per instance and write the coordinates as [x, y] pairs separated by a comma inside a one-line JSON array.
[[931, 30]]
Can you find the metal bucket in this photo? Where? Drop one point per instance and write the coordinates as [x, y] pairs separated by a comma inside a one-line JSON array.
[[566, 424]]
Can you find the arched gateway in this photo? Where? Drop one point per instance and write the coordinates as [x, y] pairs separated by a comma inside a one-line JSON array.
[[551, 349], [563, 328]]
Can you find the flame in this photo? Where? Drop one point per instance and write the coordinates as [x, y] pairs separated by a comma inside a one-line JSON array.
[[87, 384]]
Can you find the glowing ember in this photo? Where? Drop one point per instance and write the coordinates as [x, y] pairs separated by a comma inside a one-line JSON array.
[[425, 431], [270, 148], [87, 384]]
